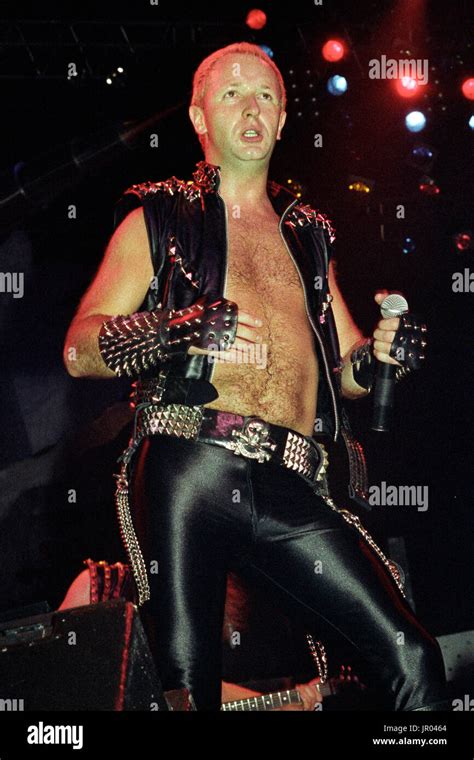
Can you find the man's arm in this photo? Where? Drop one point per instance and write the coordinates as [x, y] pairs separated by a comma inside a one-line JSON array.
[[349, 336], [107, 338], [388, 333], [119, 287]]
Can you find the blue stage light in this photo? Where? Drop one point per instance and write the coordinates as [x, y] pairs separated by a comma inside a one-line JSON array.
[[422, 153], [337, 85], [267, 50], [415, 121]]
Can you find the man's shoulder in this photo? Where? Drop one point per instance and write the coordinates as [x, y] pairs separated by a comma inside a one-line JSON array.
[[150, 189], [303, 214], [204, 180], [157, 197]]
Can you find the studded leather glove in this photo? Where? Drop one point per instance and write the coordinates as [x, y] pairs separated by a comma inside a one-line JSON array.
[[131, 344], [407, 347]]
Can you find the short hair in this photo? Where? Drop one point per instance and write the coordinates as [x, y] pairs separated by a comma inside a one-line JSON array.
[[205, 67]]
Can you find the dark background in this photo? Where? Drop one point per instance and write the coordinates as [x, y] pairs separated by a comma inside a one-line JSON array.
[[58, 433]]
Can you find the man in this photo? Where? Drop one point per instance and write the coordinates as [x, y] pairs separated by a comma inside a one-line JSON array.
[[223, 468]]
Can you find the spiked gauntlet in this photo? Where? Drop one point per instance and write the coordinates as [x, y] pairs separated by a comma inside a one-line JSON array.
[[132, 344]]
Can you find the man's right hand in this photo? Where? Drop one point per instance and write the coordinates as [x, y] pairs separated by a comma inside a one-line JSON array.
[[247, 334]]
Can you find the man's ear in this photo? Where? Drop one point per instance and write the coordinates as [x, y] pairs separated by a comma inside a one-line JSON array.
[[196, 115], [281, 124]]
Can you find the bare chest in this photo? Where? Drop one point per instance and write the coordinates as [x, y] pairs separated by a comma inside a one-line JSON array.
[[262, 279], [259, 264]]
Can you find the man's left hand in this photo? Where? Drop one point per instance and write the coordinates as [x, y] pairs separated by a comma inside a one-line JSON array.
[[384, 333], [411, 345]]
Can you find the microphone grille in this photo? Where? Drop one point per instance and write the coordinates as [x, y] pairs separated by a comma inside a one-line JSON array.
[[393, 306]]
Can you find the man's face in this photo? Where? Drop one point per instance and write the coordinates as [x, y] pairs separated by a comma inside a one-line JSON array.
[[242, 94]]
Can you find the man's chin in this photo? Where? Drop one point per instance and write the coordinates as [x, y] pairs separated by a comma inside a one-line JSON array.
[[243, 153], [253, 152]]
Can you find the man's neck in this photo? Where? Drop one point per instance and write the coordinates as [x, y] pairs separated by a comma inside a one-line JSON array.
[[244, 186]]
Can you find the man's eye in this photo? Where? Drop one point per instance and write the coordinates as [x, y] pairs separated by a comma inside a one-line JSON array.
[[230, 92], [267, 95]]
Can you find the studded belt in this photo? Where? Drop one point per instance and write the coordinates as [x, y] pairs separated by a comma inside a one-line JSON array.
[[250, 437]]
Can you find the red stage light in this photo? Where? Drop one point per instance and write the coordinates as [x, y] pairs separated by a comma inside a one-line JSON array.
[[468, 88], [428, 186], [333, 51], [407, 87], [256, 19], [463, 241]]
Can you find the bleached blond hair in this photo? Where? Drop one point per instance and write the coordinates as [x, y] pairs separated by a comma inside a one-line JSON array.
[[202, 72]]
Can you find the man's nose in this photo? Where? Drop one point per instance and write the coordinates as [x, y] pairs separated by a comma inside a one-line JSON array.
[[251, 106]]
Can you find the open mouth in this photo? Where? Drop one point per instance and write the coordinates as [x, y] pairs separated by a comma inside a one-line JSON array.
[[252, 135]]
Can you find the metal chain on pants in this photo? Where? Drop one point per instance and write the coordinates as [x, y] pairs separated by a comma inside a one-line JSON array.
[[355, 521], [129, 537]]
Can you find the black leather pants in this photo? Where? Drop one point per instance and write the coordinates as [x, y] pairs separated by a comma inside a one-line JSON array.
[[199, 510]]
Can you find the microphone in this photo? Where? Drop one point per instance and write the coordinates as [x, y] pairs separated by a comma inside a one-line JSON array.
[[393, 305]]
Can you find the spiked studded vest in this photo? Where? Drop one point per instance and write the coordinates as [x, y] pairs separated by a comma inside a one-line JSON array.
[[187, 229]]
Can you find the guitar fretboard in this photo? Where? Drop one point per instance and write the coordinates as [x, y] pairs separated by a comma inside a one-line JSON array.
[[271, 701]]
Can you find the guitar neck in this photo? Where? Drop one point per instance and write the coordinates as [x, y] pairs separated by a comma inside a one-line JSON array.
[[272, 701]]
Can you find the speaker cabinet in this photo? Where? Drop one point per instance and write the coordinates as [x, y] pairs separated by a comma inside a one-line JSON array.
[[94, 657]]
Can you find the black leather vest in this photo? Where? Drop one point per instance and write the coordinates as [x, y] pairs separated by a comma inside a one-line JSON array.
[[187, 229]]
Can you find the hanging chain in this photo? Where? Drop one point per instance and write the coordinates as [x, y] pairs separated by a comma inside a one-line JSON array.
[[129, 537], [355, 521]]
